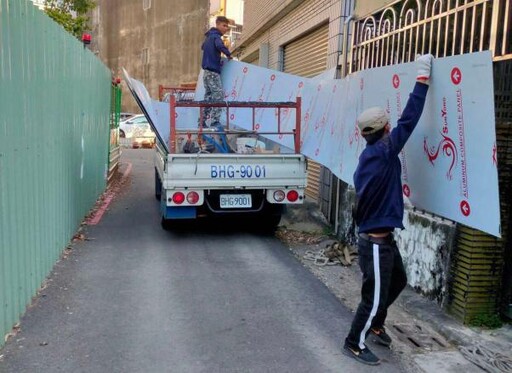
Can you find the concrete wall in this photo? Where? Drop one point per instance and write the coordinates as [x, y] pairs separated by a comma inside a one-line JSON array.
[[159, 45], [426, 244]]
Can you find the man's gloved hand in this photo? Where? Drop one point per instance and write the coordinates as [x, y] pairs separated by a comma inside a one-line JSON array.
[[424, 63]]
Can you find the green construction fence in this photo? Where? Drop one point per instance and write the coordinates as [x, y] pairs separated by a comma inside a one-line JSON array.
[[55, 103]]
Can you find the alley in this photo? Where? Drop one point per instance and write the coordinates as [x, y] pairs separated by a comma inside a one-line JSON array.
[[132, 297]]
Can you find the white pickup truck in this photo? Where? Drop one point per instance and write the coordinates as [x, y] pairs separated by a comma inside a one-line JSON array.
[[204, 174]]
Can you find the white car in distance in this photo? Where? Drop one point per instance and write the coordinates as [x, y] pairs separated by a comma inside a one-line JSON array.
[[138, 130]]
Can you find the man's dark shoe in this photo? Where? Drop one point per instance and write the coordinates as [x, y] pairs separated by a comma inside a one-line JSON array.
[[364, 356], [380, 336]]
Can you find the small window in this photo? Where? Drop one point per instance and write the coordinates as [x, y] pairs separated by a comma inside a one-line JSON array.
[[146, 4]]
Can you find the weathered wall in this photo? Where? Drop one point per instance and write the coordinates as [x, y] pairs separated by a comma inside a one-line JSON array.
[[425, 245], [160, 45]]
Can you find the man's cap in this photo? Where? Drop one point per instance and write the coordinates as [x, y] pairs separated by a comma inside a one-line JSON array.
[[371, 120]]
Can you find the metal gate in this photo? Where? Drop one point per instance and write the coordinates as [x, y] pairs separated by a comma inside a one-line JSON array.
[[114, 147], [396, 34], [307, 56]]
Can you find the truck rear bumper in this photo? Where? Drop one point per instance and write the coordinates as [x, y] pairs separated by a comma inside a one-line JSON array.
[[184, 212], [211, 208]]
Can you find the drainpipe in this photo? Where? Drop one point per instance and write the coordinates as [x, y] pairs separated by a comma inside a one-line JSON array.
[[344, 46]]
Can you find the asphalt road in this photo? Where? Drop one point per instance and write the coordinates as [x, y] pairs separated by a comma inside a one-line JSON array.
[[136, 298]]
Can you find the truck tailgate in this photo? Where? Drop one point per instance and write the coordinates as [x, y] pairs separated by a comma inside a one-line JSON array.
[[230, 171]]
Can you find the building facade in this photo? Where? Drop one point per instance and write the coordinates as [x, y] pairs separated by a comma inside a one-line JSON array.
[[465, 271], [295, 36], [157, 41]]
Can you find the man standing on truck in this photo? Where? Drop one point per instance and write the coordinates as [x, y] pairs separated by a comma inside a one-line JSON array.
[[380, 209], [212, 48]]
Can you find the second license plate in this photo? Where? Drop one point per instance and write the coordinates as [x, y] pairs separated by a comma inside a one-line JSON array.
[[233, 201]]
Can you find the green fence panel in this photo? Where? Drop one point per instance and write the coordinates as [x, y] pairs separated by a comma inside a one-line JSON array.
[[54, 139]]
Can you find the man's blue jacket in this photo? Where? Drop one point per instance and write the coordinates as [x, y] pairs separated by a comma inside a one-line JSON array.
[[212, 47], [380, 203]]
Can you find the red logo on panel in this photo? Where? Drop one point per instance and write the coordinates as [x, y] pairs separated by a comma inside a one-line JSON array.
[[406, 190], [245, 70], [456, 76], [494, 156], [465, 208], [396, 81]]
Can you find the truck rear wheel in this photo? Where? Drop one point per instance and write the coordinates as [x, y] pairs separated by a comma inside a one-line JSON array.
[[272, 217], [272, 222], [166, 224]]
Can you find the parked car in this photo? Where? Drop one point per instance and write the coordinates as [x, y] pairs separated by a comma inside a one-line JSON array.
[[136, 126], [138, 130]]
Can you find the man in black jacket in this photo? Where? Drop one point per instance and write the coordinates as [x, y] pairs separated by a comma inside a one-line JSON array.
[[380, 209]]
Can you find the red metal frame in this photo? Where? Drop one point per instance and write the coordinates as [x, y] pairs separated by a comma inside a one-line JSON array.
[[173, 104]]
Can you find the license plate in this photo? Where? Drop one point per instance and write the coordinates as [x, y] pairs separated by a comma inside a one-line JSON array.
[[234, 201]]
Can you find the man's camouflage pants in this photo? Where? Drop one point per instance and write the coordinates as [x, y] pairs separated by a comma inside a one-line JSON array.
[[213, 92]]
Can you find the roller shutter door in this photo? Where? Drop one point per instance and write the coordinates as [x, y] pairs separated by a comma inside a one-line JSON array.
[[307, 57]]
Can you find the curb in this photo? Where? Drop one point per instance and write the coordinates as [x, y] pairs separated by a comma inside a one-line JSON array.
[[444, 324]]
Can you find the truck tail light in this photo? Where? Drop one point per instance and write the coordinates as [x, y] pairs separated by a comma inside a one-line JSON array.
[[178, 198], [279, 195], [292, 196], [192, 198]]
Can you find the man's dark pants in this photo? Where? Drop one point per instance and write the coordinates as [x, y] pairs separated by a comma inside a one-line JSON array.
[[384, 278]]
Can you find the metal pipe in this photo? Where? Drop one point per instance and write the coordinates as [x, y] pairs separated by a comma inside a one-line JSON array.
[[345, 45], [343, 74], [172, 135]]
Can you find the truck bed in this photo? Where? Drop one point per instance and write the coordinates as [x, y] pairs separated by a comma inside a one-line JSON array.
[[232, 171]]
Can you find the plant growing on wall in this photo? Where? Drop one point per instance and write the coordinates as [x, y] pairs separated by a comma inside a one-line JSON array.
[[71, 14]]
